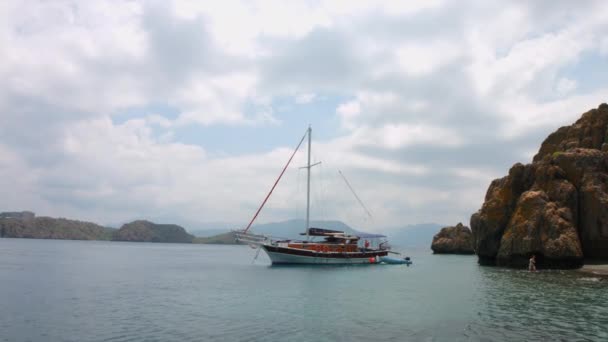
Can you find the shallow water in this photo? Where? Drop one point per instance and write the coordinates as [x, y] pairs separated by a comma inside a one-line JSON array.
[[52, 290]]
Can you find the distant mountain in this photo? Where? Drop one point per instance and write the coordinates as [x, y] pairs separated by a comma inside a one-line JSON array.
[[228, 238], [146, 231], [414, 235], [26, 225], [291, 229], [208, 232], [200, 229]]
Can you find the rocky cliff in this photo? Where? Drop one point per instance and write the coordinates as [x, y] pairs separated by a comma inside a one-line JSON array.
[[27, 225], [453, 240], [145, 231], [556, 207]]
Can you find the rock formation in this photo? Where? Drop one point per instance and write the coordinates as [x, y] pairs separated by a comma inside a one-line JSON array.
[[145, 231], [453, 240], [556, 207]]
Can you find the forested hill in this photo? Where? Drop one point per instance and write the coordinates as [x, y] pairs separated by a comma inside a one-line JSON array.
[[27, 225], [146, 231]]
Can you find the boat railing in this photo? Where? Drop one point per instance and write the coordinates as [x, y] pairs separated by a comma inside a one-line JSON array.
[[251, 239], [384, 246]]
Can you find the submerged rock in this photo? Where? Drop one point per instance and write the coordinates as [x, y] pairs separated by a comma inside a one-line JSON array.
[[453, 240], [556, 207]]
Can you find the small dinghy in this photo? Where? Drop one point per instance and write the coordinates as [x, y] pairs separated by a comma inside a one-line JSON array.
[[395, 261]]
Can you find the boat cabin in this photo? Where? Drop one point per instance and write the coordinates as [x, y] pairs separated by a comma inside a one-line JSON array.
[[334, 241]]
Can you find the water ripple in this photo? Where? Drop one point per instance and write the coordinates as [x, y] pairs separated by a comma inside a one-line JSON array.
[[115, 292]]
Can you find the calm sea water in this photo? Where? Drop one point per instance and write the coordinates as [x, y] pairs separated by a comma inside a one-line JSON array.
[[53, 290]]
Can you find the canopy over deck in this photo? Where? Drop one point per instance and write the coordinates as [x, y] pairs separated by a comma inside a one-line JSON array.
[[370, 236], [322, 232]]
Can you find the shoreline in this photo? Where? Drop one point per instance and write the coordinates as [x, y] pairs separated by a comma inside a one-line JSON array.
[[598, 270]]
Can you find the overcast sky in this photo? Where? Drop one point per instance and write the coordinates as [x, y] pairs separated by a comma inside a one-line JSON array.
[[187, 111]]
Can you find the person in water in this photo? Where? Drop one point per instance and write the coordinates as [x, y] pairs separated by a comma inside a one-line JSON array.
[[532, 263]]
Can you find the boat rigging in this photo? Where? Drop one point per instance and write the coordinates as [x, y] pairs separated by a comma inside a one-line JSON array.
[[337, 247]]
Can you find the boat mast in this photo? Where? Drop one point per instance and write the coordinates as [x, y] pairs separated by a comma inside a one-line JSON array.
[[308, 185], [276, 182]]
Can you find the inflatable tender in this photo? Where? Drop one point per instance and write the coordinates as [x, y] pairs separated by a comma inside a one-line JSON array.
[[396, 261]]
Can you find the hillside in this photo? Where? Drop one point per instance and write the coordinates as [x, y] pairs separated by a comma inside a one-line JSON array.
[[145, 231], [219, 239], [27, 225]]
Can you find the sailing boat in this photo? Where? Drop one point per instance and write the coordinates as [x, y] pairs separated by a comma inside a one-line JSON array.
[[336, 247]]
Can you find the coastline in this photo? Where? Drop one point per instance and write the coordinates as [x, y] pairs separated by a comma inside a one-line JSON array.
[[595, 269]]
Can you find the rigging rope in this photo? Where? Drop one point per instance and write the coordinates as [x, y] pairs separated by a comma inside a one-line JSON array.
[[322, 194], [297, 214], [354, 193], [275, 184]]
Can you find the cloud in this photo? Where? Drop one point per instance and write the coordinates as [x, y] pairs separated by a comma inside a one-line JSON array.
[[604, 47], [305, 98], [565, 85], [428, 102]]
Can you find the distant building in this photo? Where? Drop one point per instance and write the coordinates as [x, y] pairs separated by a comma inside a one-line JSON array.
[[18, 215]]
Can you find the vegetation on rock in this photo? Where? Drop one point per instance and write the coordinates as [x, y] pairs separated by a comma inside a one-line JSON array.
[[145, 231], [27, 225]]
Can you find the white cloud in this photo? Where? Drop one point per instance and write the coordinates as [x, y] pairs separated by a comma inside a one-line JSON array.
[[412, 97], [214, 100], [565, 86], [349, 111], [305, 98], [423, 58], [524, 114], [604, 47], [396, 136], [526, 60]]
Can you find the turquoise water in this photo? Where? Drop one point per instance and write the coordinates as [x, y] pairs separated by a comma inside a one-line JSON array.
[[53, 290]]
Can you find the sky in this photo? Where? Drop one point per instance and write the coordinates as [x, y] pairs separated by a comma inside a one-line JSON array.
[[186, 111]]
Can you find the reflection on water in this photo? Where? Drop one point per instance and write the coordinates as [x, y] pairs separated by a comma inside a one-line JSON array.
[[104, 291], [546, 305]]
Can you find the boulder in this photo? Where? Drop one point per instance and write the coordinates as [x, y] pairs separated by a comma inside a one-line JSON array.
[[453, 240], [489, 223]]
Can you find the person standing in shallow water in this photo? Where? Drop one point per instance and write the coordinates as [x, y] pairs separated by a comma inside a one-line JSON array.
[[532, 263]]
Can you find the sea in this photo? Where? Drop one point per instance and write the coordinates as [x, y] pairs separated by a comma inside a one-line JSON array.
[[55, 290]]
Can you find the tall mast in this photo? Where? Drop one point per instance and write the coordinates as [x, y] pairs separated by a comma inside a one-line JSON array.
[[275, 183], [308, 185]]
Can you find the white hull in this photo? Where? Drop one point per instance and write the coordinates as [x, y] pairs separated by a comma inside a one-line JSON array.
[[283, 258]]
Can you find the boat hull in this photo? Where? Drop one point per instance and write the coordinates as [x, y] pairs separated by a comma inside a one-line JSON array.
[[287, 256]]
